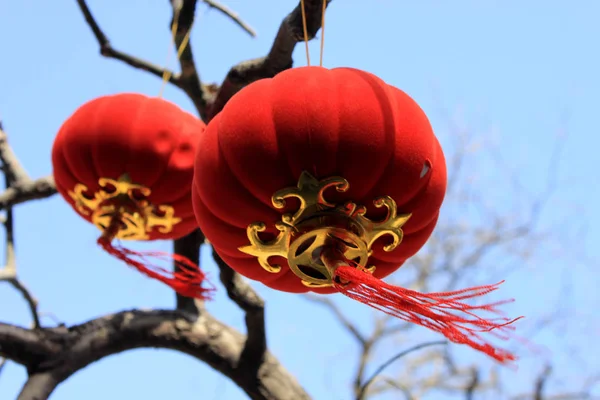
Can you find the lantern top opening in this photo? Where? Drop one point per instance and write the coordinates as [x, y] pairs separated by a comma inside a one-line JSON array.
[[308, 237]]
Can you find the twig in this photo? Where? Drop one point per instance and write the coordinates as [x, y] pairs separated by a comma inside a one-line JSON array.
[[14, 173], [12, 168], [51, 316], [389, 362], [231, 14], [407, 394], [189, 79], [366, 343], [3, 362], [343, 320], [279, 58], [540, 383], [108, 51], [31, 301], [253, 305], [472, 386], [20, 187]]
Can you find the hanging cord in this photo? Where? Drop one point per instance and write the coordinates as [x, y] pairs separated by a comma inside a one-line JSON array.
[[305, 28], [322, 32], [167, 74]]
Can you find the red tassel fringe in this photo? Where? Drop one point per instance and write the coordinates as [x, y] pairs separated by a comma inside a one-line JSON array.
[[435, 311], [188, 280]]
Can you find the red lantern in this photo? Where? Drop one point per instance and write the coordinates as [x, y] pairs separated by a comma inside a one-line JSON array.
[[327, 180], [125, 164]]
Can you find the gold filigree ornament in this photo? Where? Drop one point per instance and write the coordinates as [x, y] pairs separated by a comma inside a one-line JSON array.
[[127, 202], [319, 224]]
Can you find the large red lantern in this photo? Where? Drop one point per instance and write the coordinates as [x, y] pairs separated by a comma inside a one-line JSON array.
[[326, 181], [125, 163]]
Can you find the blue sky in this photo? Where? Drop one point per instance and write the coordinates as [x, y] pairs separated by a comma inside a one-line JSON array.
[[520, 72]]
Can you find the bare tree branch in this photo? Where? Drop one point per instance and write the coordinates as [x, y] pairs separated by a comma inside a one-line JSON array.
[[367, 343], [185, 11], [12, 168], [187, 80], [363, 389], [108, 51], [470, 390], [339, 315], [189, 247], [25, 346], [20, 187], [279, 57], [3, 362], [231, 14], [542, 380], [9, 272], [366, 351], [389, 383], [39, 386], [540, 383], [22, 192], [13, 174], [53, 355], [253, 305]]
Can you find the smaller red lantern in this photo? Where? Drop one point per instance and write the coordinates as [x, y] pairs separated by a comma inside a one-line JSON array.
[[328, 180], [125, 163]]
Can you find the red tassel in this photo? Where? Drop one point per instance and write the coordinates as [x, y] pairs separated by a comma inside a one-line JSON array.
[[431, 310], [187, 281]]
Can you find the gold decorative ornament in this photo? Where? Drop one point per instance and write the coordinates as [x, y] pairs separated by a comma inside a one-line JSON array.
[[319, 224], [126, 201]]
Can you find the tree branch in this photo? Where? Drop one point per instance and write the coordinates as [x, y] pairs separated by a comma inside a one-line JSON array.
[[108, 51], [20, 187], [279, 58], [14, 173], [472, 386], [253, 305], [231, 14], [189, 78], [9, 272], [189, 247], [53, 355], [339, 315], [540, 383], [38, 386], [24, 346], [3, 362], [38, 189], [12, 168], [363, 390]]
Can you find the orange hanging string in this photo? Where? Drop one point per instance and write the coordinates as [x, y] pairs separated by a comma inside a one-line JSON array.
[[436, 311], [167, 74], [305, 28], [322, 32]]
